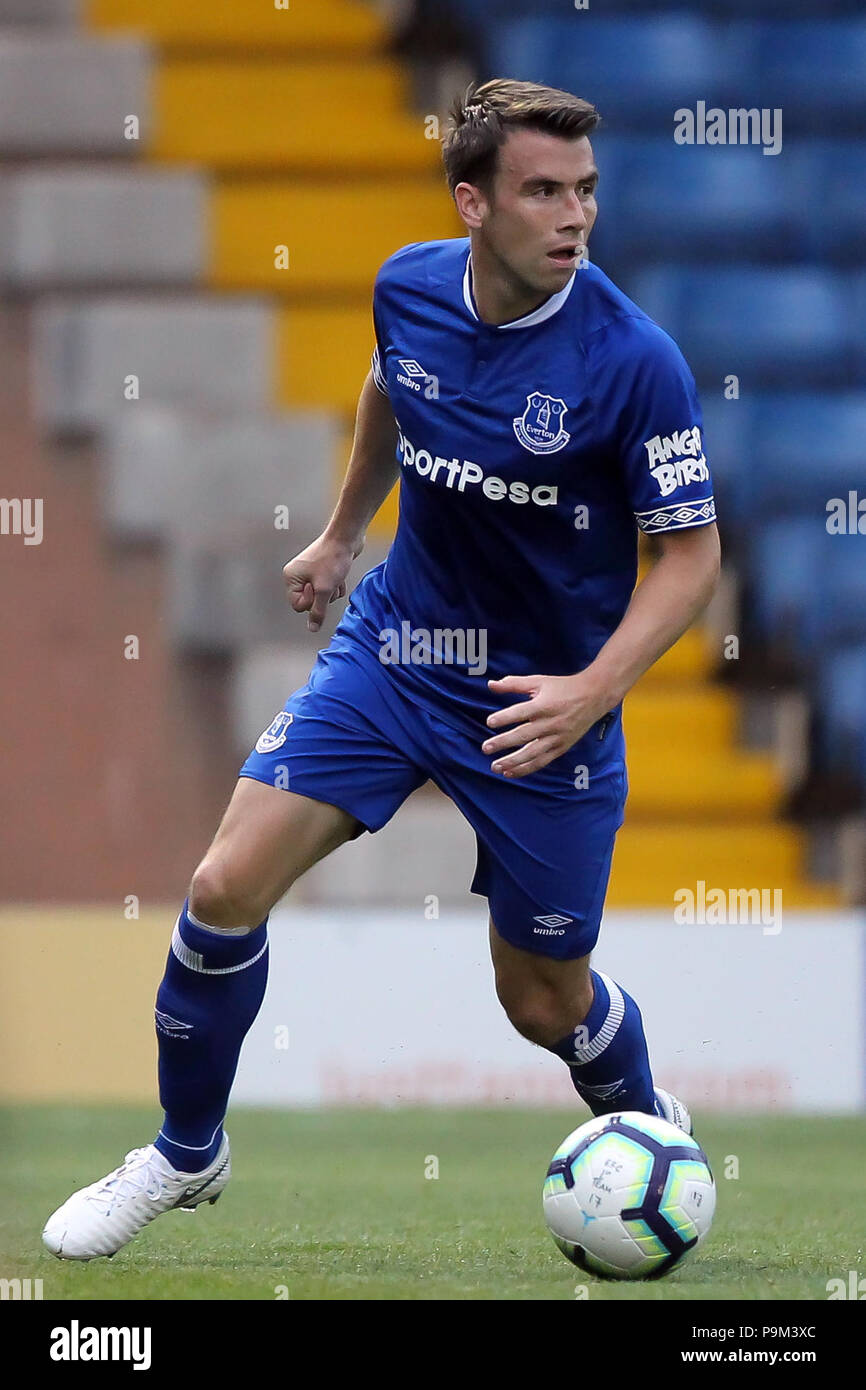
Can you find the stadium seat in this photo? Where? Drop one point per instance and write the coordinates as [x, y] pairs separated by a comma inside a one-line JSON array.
[[270, 114], [477, 13], [163, 466], [808, 589], [101, 226], [47, 12], [728, 427], [198, 353], [303, 31], [64, 94], [660, 201], [834, 171], [814, 70], [337, 233], [835, 614], [635, 67], [786, 558], [840, 707], [807, 449], [779, 327]]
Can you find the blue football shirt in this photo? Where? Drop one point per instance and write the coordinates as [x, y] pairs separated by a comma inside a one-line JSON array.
[[531, 453]]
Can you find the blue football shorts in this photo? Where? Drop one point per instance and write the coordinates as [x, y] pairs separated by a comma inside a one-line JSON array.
[[356, 738]]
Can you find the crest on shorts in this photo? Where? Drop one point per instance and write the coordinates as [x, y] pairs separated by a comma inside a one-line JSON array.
[[539, 428], [275, 734]]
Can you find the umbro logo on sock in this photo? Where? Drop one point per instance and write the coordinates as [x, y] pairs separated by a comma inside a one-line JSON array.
[[606, 1092], [172, 1027]]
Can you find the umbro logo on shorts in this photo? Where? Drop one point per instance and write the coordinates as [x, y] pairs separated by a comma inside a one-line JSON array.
[[553, 924]]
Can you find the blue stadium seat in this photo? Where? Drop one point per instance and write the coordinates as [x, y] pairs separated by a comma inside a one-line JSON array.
[[807, 449], [634, 67], [662, 200], [840, 702], [480, 12], [856, 305], [811, 67], [728, 431], [780, 327], [833, 172], [785, 561], [837, 613]]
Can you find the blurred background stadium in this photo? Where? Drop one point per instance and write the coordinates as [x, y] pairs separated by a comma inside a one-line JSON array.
[[194, 200]]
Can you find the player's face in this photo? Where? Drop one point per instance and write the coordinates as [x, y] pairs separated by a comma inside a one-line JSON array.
[[542, 208]]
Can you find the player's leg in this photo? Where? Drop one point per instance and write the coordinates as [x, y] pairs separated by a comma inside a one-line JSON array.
[[210, 994], [583, 1017], [545, 846], [216, 971], [331, 764]]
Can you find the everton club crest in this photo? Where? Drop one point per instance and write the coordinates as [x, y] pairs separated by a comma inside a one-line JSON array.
[[275, 734], [539, 428]]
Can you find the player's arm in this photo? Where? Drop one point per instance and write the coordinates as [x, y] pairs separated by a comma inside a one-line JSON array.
[[674, 593], [317, 576], [561, 709]]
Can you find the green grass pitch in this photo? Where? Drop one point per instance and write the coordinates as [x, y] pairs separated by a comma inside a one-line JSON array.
[[336, 1205]]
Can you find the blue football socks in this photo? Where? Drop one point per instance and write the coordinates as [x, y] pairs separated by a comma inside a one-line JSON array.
[[213, 987], [607, 1054]]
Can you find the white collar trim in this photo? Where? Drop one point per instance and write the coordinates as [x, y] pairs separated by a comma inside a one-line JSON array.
[[544, 311]]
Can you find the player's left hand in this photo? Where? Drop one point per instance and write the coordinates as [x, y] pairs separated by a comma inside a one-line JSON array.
[[558, 711]]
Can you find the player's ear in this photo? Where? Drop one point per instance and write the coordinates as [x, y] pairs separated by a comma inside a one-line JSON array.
[[471, 204]]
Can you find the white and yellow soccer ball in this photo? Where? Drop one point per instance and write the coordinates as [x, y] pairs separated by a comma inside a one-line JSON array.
[[628, 1196]]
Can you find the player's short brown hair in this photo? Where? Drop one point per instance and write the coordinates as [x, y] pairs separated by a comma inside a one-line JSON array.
[[479, 122]]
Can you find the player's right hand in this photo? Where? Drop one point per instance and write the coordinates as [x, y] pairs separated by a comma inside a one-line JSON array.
[[317, 577]]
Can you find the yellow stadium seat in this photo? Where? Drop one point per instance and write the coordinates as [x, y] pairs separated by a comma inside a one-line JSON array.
[[651, 862], [323, 356], [331, 118], [336, 235], [301, 28]]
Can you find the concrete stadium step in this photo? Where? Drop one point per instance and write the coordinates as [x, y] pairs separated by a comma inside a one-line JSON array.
[[40, 12], [326, 118], [96, 225], [336, 236], [299, 27], [66, 94], [164, 466], [197, 353]]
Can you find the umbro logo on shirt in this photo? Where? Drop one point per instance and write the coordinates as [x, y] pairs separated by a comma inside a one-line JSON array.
[[412, 374]]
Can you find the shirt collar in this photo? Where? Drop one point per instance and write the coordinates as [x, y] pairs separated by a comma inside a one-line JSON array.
[[544, 311]]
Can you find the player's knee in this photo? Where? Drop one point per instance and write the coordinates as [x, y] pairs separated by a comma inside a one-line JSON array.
[[540, 1016], [217, 897]]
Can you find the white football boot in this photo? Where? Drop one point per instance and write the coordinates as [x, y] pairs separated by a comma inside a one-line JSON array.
[[99, 1219], [673, 1110]]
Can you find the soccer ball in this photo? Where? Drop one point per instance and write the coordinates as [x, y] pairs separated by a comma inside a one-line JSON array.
[[627, 1196]]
